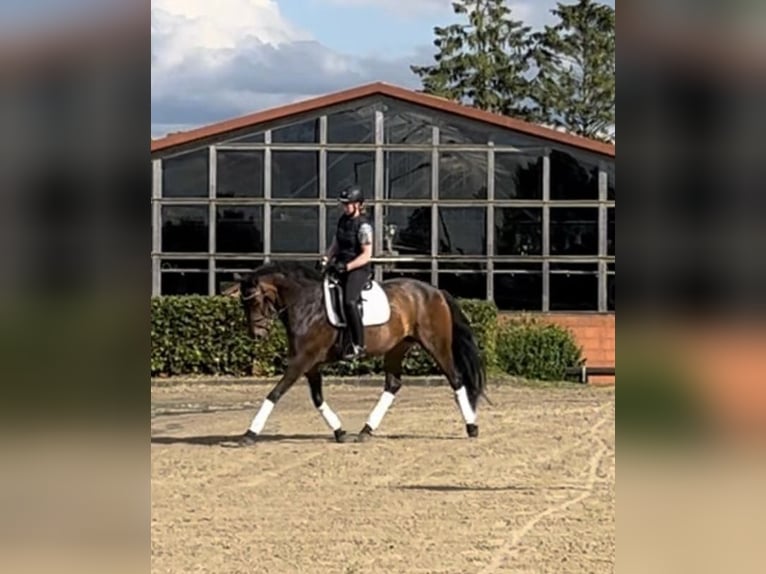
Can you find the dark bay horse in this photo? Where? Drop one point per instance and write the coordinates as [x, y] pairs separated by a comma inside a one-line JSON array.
[[416, 313]]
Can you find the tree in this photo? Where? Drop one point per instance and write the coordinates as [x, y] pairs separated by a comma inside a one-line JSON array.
[[482, 62], [575, 84]]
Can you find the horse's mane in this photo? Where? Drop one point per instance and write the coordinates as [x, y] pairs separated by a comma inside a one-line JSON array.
[[294, 270]]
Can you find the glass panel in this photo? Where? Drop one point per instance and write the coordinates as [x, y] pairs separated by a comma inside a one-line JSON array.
[[353, 168], [574, 231], [408, 175], [452, 130], [239, 229], [332, 215], [610, 181], [471, 285], [241, 265], [518, 231], [519, 290], [304, 132], [295, 229], [167, 265], [403, 126], [610, 237], [239, 174], [462, 175], [352, 126], [573, 178], [295, 174], [610, 292], [184, 228], [413, 229], [252, 138], [518, 176], [574, 287], [424, 276], [186, 175], [184, 283], [462, 231]]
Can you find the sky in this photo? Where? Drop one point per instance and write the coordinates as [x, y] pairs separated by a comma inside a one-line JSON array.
[[213, 60]]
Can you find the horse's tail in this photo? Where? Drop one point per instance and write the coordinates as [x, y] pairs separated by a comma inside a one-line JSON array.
[[465, 353]]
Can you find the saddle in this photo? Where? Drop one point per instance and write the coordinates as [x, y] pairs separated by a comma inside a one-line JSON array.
[[375, 307]]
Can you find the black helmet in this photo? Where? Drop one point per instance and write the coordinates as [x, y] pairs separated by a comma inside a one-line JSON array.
[[352, 194]]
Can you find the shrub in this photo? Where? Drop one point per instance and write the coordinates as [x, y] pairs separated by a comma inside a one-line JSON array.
[[532, 349], [207, 335]]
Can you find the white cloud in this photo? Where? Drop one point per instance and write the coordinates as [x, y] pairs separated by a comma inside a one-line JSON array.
[[212, 61]]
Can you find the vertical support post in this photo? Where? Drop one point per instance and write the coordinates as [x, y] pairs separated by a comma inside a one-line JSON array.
[[267, 196], [323, 186], [212, 192], [435, 138], [379, 189], [546, 230], [602, 238], [156, 226], [490, 221]]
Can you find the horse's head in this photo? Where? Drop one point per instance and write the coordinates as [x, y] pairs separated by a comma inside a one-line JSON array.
[[259, 297]]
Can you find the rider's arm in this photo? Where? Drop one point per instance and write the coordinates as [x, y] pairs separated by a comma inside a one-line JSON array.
[[333, 249], [365, 238]]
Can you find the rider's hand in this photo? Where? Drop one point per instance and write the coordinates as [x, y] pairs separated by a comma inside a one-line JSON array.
[[340, 267]]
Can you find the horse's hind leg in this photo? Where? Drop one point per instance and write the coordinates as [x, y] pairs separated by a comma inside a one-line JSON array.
[[315, 386], [392, 365]]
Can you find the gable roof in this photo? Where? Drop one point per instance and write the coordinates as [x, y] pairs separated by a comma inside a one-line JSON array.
[[388, 90]]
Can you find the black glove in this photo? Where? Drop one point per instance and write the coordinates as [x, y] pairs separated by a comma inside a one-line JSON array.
[[339, 267]]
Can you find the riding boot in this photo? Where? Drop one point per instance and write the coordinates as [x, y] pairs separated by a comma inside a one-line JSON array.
[[356, 330]]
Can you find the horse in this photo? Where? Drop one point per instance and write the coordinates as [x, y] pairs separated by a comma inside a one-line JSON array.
[[396, 313]]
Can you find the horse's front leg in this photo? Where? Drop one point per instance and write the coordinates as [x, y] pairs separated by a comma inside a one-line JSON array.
[[333, 421], [295, 369]]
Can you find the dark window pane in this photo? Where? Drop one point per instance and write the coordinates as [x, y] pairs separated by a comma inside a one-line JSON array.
[[186, 175], [295, 229], [462, 231], [518, 231], [518, 176], [189, 283], [610, 292], [184, 228], [240, 174], [333, 213], [184, 276], [304, 132], [239, 229], [462, 175], [464, 285], [610, 237], [405, 126], [408, 175], [294, 174], [574, 231], [456, 131], [352, 126], [252, 138], [354, 168], [573, 178], [241, 265], [519, 290], [610, 181], [574, 287], [423, 276], [413, 229]]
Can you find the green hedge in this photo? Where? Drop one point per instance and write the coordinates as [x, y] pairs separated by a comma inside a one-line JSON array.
[[529, 348], [206, 335]]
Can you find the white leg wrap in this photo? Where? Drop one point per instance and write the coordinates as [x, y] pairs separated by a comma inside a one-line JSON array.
[[377, 414], [329, 416], [461, 395], [259, 421]]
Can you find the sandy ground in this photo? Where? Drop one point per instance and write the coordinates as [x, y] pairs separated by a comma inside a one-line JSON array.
[[534, 493]]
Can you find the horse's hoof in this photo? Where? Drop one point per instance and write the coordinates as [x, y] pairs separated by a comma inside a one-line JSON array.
[[364, 435], [341, 436], [472, 430], [248, 439]]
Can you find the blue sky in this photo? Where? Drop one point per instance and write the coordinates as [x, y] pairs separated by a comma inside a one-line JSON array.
[[213, 60]]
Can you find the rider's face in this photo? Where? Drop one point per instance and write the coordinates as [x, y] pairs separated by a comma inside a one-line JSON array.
[[350, 208]]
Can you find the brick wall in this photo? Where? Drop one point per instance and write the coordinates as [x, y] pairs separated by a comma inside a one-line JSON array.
[[595, 332]]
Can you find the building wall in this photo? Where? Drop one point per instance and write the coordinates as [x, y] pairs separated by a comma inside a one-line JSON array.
[[595, 332]]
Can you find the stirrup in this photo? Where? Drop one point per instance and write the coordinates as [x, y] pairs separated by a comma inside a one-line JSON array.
[[354, 353]]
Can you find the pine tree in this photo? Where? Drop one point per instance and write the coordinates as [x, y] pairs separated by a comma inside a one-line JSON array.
[[575, 84], [481, 62]]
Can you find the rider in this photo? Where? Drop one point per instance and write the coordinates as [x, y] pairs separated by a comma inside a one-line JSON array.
[[349, 255]]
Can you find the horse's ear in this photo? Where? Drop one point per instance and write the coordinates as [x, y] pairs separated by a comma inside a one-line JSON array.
[[238, 277]]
